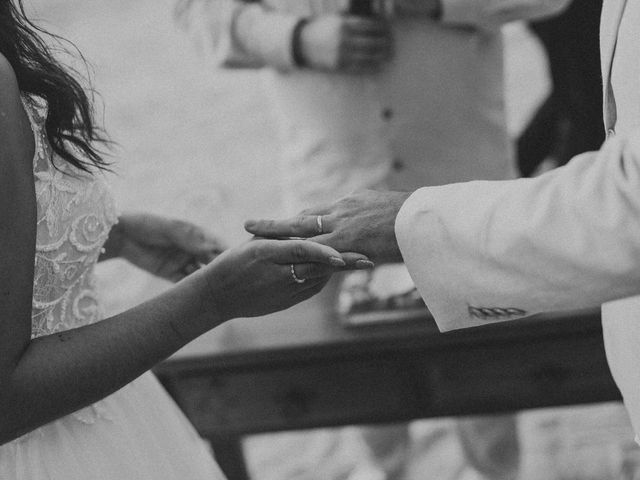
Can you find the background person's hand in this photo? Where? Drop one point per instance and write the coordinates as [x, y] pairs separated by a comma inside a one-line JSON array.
[[346, 43], [256, 278], [165, 247], [362, 222]]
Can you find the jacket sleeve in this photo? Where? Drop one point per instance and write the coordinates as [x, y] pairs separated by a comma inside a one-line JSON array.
[[493, 13], [246, 35], [482, 252]]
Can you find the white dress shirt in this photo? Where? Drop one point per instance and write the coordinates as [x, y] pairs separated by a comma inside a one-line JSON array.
[[435, 115]]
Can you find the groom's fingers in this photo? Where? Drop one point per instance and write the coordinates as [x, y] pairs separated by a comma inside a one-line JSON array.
[[302, 226], [318, 210], [356, 261], [353, 260]]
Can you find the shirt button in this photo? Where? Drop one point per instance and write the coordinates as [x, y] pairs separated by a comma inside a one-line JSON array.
[[397, 164], [387, 113], [611, 133]]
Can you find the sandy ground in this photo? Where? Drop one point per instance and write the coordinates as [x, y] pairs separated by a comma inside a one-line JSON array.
[[198, 142]]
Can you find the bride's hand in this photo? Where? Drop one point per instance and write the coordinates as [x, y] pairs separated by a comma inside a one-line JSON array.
[[167, 248], [265, 276]]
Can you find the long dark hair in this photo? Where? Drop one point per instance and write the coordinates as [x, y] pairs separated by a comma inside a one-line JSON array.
[[69, 126]]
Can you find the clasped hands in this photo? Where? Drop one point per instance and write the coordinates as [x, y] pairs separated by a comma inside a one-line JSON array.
[[274, 271], [358, 229]]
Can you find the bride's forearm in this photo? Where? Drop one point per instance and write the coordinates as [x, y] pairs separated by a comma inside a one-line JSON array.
[[60, 373]]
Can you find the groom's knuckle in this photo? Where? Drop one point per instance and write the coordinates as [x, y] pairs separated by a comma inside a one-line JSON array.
[[306, 212], [181, 224], [198, 233], [270, 226], [176, 225], [342, 200], [186, 229], [350, 199], [337, 236], [299, 223], [264, 227], [194, 232]]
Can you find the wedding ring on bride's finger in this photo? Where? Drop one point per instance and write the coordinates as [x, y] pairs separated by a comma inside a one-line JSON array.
[[294, 276], [319, 225]]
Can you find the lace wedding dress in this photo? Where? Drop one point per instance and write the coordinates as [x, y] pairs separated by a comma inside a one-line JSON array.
[[137, 433]]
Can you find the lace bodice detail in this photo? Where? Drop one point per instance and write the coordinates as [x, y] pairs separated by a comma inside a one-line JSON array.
[[75, 212]]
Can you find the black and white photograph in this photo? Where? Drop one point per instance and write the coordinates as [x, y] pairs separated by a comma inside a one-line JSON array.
[[320, 240]]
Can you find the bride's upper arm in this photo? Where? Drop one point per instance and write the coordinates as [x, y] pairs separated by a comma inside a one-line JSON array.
[[17, 222]]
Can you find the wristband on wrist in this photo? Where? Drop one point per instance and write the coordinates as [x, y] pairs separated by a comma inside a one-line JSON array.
[[296, 43]]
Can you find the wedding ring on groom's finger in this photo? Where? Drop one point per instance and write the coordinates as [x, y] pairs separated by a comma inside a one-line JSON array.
[[294, 276], [319, 224]]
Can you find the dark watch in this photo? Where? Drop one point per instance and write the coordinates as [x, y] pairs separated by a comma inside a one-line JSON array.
[[296, 44]]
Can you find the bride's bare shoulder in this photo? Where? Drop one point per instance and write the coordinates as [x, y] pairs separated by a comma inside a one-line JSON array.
[[16, 139], [9, 89]]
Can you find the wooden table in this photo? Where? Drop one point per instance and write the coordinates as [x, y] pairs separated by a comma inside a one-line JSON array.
[[301, 369]]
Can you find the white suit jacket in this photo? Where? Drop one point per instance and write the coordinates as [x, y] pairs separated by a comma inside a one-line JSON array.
[[483, 252]]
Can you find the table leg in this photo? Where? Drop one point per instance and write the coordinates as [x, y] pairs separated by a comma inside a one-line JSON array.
[[230, 456]]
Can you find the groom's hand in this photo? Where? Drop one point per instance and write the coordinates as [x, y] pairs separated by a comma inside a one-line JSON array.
[[363, 222]]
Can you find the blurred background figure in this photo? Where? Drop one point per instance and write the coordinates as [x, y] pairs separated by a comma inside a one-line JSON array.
[[569, 121]]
